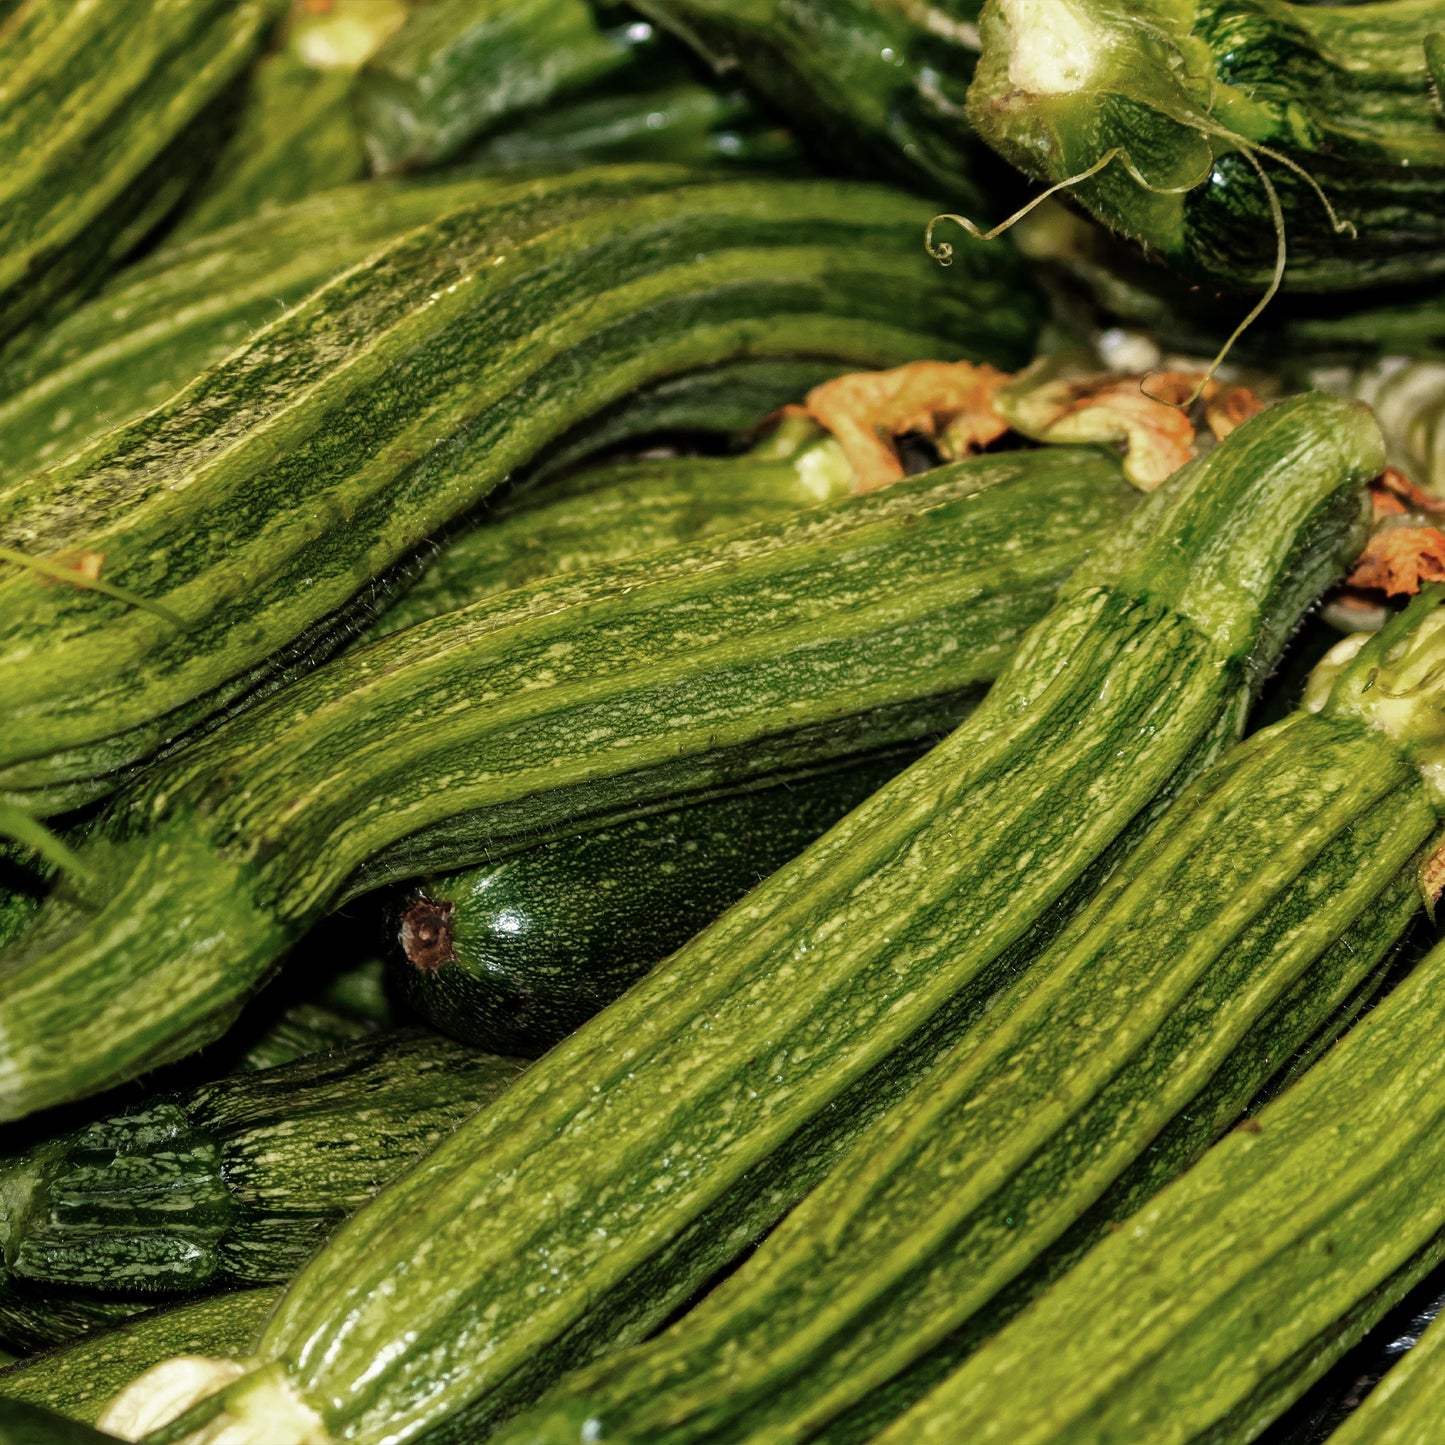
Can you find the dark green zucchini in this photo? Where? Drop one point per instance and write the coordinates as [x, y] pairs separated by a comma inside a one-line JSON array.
[[412, 385], [548, 710], [679, 1123], [516, 955], [226, 1184], [876, 86], [460, 68], [1171, 1329], [1251, 912], [1201, 101], [102, 124], [22, 1423], [622, 509], [78, 1378]]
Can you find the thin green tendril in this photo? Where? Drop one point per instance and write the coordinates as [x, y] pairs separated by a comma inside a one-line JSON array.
[[17, 824], [59, 573]]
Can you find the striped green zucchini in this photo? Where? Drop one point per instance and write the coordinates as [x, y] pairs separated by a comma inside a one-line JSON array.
[[77, 1379], [460, 68], [678, 120], [547, 710], [1191, 96], [878, 86], [1252, 911], [1407, 1406], [1171, 1330], [679, 1123], [622, 509], [412, 385], [102, 123], [229, 1183], [515, 955]]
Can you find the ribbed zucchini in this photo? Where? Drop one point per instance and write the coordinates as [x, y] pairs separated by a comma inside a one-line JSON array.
[[395, 398], [1195, 93], [1407, 1406], [459, 68], [1251, 912], [102, 110], [548, 710], [1173, 1329], [680, 1122], [878, 86], [618, 510], [515, 955], [77, 1379], [229, 1183]]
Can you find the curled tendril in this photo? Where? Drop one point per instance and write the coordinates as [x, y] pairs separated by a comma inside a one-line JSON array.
[[942, 251]]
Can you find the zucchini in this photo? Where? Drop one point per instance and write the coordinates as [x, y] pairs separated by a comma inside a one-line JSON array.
[[515, 955], [460, 68], [619, 510], [1250, 913], [22, 1423], [103, 110], [1204, 99], [78, 1378], [692, 671], [1170, 1329], [413, 384], [1405, 1408], [680, 121], [228, 1183], [875, 86], [674, 1127]]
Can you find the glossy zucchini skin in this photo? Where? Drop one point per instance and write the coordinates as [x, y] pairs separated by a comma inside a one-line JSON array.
[[517, 955], [78, 1378], [680, 1122], [231, 1183], [460, 68], [1341, 91], [413, 384], [1324, 1199], [1250, 913], [102, 121], [693, 671], [876, 86]]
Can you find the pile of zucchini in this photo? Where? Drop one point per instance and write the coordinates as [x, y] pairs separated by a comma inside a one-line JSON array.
[[646, 797]]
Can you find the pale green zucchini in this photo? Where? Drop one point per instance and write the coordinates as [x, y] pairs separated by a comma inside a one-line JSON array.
[[101, 123], [1408, 1405], [678, 1124], [1254, 908], [408, 388], [1215, 1306], [78, 1379], [547, 710]]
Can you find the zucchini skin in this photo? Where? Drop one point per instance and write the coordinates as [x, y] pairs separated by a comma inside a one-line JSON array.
[[460, 68], [100, 118], [876, 86], [78, 1378], [231, 1183], [1248, 915], [1341, 91], [693, 671], [414, 384], [680, 1122], [1325, 1200], [516, 955]]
